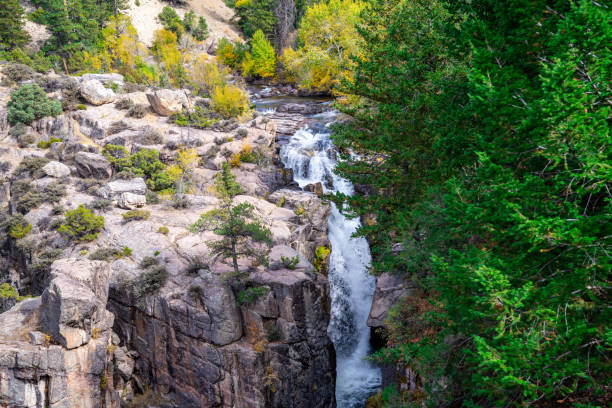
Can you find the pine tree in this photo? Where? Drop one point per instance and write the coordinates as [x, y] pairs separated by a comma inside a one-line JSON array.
[[200, 31], [11, 25], [242, 234], [260, 60], [189, 21], [494, 181]]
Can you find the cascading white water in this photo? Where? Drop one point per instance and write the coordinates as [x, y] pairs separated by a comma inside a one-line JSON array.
[[311, 155]]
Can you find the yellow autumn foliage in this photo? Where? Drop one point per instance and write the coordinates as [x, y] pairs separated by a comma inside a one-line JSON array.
[[230, 101], [329, 39], [205, 74]]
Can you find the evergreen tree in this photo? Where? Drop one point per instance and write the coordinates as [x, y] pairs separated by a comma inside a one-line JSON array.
[[11, 25], [29, 103], [171, 21], [256, 15], [489, 186], [260, 60], [200, 31], [242, 235], [76, 24]]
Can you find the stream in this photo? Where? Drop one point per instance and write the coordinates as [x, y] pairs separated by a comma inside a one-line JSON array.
[[312, 156]]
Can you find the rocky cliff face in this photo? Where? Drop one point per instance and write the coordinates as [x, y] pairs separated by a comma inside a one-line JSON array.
[[55, 349], [92, 339]]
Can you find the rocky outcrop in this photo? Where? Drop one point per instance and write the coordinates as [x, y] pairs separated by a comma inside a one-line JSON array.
[[166, 102], [198, 340], [389, 289], [301, 108], [73, 307], [206, 351], [93, 165], [56, 169], [95, 93], [124, 191], [104, 78], [53, 349]]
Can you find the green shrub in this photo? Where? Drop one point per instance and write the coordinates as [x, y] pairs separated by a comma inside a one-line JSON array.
[[29, 103], [163, 230], [57, 209], [112, 85], [107, 253], [249, 295], [45, 144], [198, 117], [148, 261], [31, 166], [189, 21], [81, 224], [195, 292], [26, 198], [9, 292], [145, 163], [19, 231], [80, 106], [124, 104], [274, 333], [171, 21], [135, 215], [196, 263], [149, 282], [231, 54], [151, 137], [290, 262], [100, 204], [7, 223], [320, 259], [55, 224], [137, 111]]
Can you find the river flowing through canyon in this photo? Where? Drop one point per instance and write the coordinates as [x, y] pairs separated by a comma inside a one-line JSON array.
[[310, 153]]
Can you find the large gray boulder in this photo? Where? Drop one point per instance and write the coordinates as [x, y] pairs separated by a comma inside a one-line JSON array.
[[56, 169], [389, 289], [95, 93], [130, 201], [115, 189], [301, 108], [166, 102], [73, 307], [104, 78], [93, 165]]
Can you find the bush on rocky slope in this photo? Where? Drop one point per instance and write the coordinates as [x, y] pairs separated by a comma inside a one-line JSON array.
[[81, 224], [29, 103]]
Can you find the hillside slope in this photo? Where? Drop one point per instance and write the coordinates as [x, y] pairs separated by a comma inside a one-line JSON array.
[[216, 13]]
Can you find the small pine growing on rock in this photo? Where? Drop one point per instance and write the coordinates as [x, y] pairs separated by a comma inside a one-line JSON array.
[[81, 224], [242, 235], [29, 103]]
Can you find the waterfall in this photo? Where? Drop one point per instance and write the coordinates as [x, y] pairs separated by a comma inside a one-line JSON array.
[[312, 156]]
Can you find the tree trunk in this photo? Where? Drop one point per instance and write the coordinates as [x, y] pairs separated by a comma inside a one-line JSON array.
[[234, 257]]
